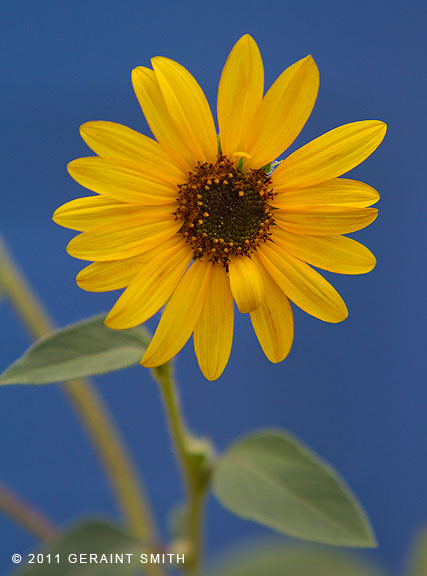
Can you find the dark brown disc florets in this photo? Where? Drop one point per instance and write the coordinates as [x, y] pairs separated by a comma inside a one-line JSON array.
[[225, 211]]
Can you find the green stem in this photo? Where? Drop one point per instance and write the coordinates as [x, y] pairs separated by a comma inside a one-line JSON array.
[[92, 412], [26, 515], [195, 529], [194, 478]]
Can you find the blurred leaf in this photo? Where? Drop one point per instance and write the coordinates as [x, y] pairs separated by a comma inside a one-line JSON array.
[[272, 478], [89, 538], [418, 556], [79, 350], [2, 290], [278, 559]]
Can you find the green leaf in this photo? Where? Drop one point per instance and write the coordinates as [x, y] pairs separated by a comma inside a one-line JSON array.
[[274, 479], [79, 350], [418, 556], [89, 538], [278, 559]]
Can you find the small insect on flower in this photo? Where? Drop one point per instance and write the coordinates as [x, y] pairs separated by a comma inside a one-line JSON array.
[[199, 221]]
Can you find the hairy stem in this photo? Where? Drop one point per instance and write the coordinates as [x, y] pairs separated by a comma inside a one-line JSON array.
[[91, 410], [195, 482]]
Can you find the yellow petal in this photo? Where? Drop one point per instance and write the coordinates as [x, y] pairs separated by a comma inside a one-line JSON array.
[[246, 283], [121, 181], [239, 94], [330, 155], [85, 213], [333, 253], [273, 322], [188, 107], [116, 274], [180, 316], [124, 237], [303, 285], [106, 276], [324, 220], [113, 140], [283, 112], [151, 288], [154, 108], [340, 191], [213, 334]]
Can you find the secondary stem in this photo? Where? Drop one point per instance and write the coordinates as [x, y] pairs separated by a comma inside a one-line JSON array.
[[183, 443], [91, 410], [26, 515]]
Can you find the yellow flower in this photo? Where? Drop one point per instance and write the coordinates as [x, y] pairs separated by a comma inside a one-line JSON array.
[[175, 222]]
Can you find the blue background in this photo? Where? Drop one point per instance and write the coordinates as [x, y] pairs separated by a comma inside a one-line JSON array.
[[355, 391]]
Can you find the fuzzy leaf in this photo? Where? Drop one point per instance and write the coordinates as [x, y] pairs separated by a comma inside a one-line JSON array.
[[274, 479], [277, 559], [79, 350], [89, 538]]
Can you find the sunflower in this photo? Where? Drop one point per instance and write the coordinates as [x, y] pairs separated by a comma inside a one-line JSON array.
[[198, 221]]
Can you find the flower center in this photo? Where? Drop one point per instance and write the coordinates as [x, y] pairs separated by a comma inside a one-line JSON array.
[[224, 210]]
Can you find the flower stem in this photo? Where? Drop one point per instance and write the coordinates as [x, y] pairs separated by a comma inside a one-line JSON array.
[[26, 515], [91, 410], [193, 470]]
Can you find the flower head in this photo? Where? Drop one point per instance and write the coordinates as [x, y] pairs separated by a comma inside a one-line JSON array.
[[198, 221]]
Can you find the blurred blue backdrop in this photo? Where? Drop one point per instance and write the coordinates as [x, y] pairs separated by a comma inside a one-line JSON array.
[[354, 392]]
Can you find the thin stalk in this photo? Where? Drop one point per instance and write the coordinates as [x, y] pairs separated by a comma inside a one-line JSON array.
[[194, 483], [91, 410], [26, 515], [195, 529]]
